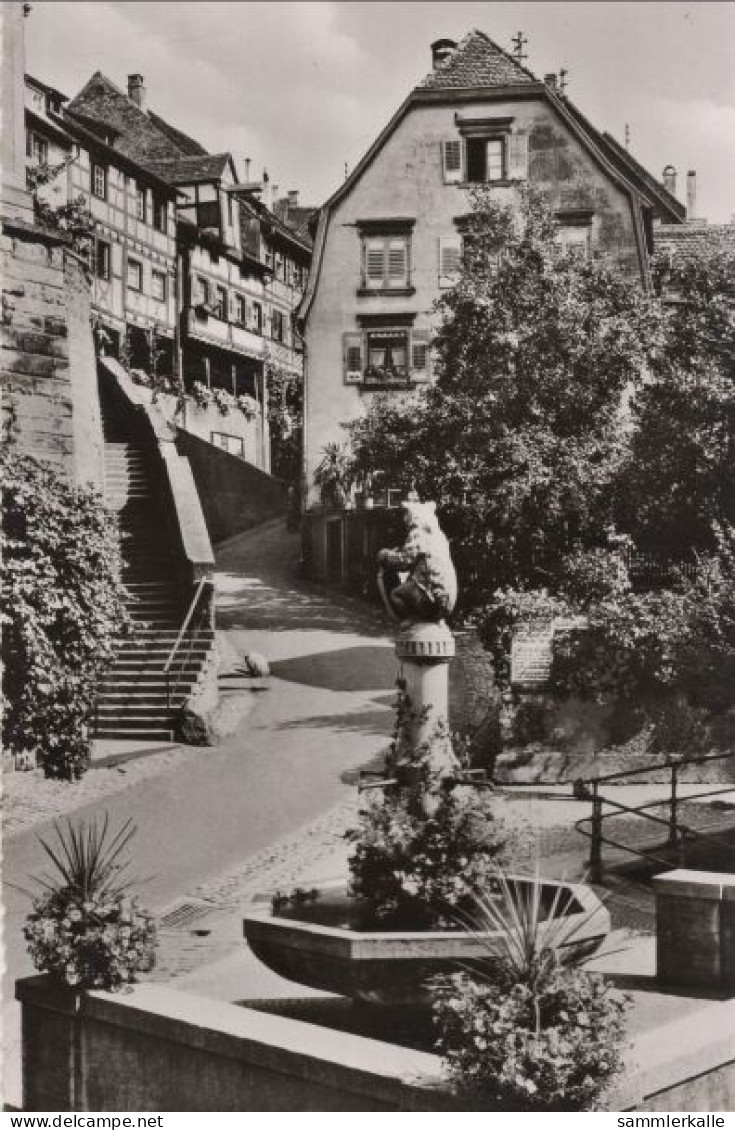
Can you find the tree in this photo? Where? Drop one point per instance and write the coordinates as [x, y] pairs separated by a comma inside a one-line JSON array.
[[521, 438], [681, 459]]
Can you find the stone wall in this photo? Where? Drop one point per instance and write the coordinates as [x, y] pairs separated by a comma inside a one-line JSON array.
[[235, 495], [47, 367], [155, 1048]]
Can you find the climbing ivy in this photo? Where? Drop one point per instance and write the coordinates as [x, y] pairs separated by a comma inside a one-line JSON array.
[[61, 606]]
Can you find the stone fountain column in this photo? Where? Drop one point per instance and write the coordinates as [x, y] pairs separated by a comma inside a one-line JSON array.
[[424, 651]]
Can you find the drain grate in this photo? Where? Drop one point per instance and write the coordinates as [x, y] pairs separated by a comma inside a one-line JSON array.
[[184, 914]]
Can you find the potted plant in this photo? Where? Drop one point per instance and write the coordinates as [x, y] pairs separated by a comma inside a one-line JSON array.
[[527, 1031], [85, 930]]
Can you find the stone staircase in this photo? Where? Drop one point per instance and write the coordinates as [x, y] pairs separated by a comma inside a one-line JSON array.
[[134, 701]]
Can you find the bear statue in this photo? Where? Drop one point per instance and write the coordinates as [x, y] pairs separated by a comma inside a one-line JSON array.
[[429, 592]]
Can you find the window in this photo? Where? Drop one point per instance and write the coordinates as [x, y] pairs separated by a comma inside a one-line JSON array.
[[102, 259], [574, 233], [140, 195], [235, 445], [574, 241], [99, 181], [220, 304], [386, 356], [37, 148], [485, 159], [135, 275], [257, 317], [158, 286], [385, 262], [240, 310], [201, 291], [160, 214], [277, 325]]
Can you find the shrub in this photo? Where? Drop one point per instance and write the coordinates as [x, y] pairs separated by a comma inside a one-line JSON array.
[[62, 604], [84, 930]]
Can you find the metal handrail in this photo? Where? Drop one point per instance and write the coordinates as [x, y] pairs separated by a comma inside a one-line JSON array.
[[678, 833], [203, 583]]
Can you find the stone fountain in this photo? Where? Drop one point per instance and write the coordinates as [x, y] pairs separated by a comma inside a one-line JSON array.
[[329, 942]]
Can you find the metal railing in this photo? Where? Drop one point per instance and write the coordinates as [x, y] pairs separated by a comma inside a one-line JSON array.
[[205, 585], [678, 834]]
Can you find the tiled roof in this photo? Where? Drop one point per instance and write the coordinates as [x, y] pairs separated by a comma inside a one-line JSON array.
[[477, 61], [185, 144], [44, 86], [183, 170], [139, 138], [680, 239]]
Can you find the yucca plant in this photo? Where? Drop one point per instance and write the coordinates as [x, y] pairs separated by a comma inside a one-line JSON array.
[[84, 929], [88, 858]]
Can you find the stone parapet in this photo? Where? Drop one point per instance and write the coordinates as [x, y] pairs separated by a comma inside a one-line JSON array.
[[695, 929]]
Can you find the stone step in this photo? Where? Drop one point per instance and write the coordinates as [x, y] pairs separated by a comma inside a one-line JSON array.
[[111, 732]]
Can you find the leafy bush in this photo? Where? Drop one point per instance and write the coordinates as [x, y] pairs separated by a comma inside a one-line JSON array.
[[61, 607], [84, 930], [509, 1046], [420, 843]]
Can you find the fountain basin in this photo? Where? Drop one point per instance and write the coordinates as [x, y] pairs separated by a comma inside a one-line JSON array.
[[323, 944]]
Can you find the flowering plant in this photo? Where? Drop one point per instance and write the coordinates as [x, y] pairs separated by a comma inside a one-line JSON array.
[[247, 406], [524, 1032], [513, 1048], [201, 394], [84, 929], [224, 400]]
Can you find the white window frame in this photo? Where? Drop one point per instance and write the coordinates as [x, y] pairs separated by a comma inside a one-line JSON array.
[[98, 178], [135, 267]]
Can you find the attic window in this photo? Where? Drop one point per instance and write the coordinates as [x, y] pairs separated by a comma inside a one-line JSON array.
[[485, 159]]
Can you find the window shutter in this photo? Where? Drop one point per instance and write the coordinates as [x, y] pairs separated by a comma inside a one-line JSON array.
[[517, 155], [452, 160], [374, 262], [420, 355], [352, 357], [450, 259], [397, 263], [117, 260]]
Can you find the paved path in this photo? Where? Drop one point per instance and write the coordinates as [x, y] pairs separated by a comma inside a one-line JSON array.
[[326, 714]]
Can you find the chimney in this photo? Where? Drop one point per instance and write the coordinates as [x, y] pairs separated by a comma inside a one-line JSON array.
[[550, 81], [274, 197], [691, 195], [293, 198], [441, 49], [246, 170], [136, 90], [669, 179]]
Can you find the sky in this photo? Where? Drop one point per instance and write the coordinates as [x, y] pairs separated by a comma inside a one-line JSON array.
[[303, 88]]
